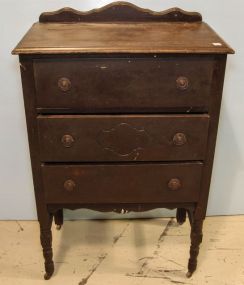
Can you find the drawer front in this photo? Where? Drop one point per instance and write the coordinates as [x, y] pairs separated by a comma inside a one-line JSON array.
[[69, 138], [143, 183], [124, 85]]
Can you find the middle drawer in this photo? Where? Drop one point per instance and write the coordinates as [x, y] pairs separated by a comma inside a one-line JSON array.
[[73, 138]]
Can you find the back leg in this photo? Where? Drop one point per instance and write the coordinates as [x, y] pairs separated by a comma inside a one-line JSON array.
[[181, 216], [59, 219]]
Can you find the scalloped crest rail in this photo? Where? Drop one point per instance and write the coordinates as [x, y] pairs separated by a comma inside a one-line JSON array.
[[119, 12]]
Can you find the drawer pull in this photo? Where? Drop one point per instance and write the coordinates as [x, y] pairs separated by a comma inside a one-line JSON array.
[[69, 185], [67, 140], [174, 184], [179, 139], [182, 83], [64, 84]]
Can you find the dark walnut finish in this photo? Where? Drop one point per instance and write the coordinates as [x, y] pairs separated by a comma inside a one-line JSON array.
[[161, 84], [126, 183], [122, 107], [122, 138], [121, 11]]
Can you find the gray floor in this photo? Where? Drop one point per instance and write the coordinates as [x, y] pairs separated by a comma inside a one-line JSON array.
[[130, 252]]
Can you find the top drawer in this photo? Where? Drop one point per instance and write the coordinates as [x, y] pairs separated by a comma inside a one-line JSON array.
[[180, 83]]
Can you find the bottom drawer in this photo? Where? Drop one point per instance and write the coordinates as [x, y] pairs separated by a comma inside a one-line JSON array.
[[122, 183]]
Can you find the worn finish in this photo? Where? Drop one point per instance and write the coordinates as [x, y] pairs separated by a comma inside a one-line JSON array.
[[144, 183], [58, 38], [140, 84], [119, 11], [67, 138], [122, 116]]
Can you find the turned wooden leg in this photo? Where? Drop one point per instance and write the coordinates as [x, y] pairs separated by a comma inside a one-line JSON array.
[[190, 214], [181, 216], [59, 219], [46, 242], [196, 239]]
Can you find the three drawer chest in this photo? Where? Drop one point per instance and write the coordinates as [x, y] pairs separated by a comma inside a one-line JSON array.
[[122, 107]]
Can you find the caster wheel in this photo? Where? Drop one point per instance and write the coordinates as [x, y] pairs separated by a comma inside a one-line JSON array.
[[189, 274], [47, 276], [58, 227]]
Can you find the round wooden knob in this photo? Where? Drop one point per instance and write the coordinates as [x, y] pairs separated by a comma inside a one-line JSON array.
[[174, 184], [69, 185], [64, 84], [67, 140], [179, 139], [182, 83]]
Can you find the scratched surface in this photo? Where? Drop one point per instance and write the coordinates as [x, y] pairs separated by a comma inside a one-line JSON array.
[[130, 252]]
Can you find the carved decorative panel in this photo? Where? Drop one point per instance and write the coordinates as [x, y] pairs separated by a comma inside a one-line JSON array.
[[123, 139]]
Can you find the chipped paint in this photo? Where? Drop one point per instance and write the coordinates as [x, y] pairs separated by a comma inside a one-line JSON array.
[[22, 66], [217, 44], [189, 110]]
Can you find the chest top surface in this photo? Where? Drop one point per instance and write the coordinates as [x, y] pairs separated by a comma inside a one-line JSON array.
[[121, 28]]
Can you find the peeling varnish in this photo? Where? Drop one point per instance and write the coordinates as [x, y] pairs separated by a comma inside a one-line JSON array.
[[217, 44], [101, 66], [189, 110], [123, 211], [137, 154], [22, 66]]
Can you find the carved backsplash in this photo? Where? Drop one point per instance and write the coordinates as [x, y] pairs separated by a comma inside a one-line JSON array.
[[120, 11]]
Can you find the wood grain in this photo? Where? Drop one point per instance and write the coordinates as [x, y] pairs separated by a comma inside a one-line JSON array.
[[122, 138], [176, 37], [140, 84], [142, 183]]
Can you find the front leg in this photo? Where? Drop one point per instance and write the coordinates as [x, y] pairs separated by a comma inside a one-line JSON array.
[[196, 239], [46, 242]]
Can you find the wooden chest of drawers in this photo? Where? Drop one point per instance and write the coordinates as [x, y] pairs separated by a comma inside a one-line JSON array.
[[122, 108]]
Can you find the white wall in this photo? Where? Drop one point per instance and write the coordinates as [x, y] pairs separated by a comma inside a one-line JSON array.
[[16, 188]]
